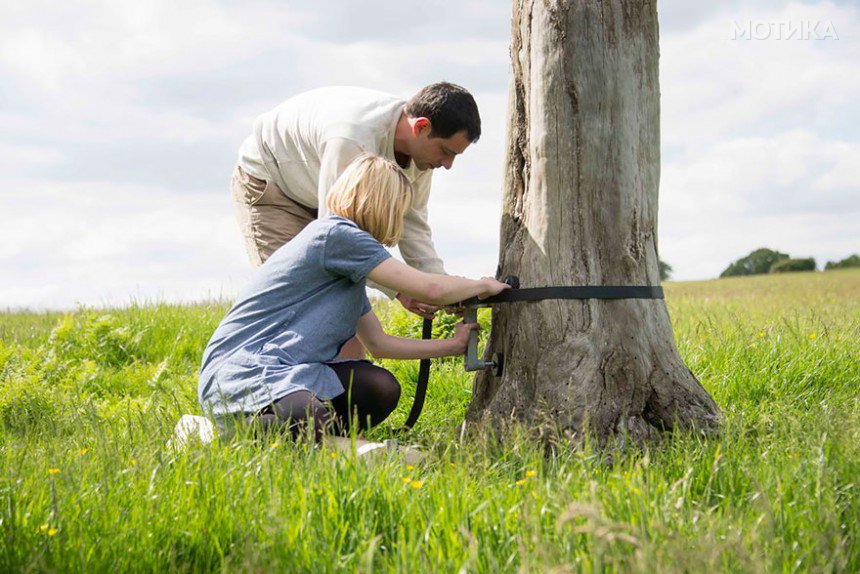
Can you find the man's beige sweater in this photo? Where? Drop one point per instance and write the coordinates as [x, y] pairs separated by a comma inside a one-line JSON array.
[[305, 143]]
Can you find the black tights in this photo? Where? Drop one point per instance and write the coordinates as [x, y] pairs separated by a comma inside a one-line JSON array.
[[371, 391]]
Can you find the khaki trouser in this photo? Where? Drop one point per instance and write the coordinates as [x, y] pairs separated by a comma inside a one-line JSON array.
[[267, 218]]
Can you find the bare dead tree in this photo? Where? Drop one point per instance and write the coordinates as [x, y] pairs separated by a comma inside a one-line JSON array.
[[580, 208]]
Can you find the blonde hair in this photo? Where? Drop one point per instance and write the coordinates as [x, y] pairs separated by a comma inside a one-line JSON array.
[[374, 193]]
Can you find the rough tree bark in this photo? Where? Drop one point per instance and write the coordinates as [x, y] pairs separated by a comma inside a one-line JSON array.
[[580, 207]]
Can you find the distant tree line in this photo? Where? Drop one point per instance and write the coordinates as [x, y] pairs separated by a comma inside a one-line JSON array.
[[850, 261], [766, 260]]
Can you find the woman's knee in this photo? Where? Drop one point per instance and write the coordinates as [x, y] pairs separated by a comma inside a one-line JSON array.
[[371, 390], [387, 389]]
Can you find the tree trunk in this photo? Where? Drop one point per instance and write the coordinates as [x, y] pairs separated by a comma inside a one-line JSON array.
[[580, 208]]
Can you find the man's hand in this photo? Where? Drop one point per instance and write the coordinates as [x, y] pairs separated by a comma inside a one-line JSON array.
[[421, 309]]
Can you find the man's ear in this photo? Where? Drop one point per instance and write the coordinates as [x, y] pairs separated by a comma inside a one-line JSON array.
[[420, 125]]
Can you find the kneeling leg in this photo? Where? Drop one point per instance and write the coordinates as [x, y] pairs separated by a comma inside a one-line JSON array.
[[372, 393], [295, 411]]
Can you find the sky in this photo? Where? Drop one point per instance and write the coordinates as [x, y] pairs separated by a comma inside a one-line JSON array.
[[120, 123]]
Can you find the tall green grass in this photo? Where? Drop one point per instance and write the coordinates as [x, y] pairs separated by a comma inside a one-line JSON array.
[[89, 399]]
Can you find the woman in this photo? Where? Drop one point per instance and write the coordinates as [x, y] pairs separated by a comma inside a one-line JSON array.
[[272, 358]]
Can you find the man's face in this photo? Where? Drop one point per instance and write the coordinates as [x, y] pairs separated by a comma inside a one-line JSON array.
[[432, 152]]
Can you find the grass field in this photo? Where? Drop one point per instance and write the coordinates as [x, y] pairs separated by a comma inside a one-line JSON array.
[[88, 400]]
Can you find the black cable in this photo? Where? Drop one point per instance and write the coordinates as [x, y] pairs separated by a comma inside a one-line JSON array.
[[423, 379]]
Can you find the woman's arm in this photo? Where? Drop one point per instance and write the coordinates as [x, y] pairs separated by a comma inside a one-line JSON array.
[[384, 346], [432, 287]]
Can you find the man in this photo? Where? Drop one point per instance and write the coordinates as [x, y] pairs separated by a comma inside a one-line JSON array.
[[297, 151]]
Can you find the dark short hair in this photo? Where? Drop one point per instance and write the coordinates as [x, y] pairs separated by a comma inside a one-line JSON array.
[[450, 109]]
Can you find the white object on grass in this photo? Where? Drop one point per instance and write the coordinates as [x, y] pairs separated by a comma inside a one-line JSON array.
[[408, 454], [197, 428], [191, 427]]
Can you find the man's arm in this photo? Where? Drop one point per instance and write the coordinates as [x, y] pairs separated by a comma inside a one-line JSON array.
[[416, 244]]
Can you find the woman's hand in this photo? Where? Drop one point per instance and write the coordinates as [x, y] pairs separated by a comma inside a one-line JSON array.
[[461, 337], [492, 287]]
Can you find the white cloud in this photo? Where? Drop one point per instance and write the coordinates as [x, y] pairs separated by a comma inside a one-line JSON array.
[[714, 87], [119, 122], [756, 147], [104, 242], [792, 172], [709, 249], [54, 44]]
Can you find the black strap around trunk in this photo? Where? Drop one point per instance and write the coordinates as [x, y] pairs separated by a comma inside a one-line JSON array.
[[569, 292]]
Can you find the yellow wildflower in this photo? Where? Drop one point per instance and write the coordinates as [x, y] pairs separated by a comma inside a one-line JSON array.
[[531, 473], [417, 483], [521, 482], [134, 462], [83, 451], [275, 445], [761, 334], [406, 479], [53, 470], [811, 336], [410, 467], [42, 528], [52, 531]]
